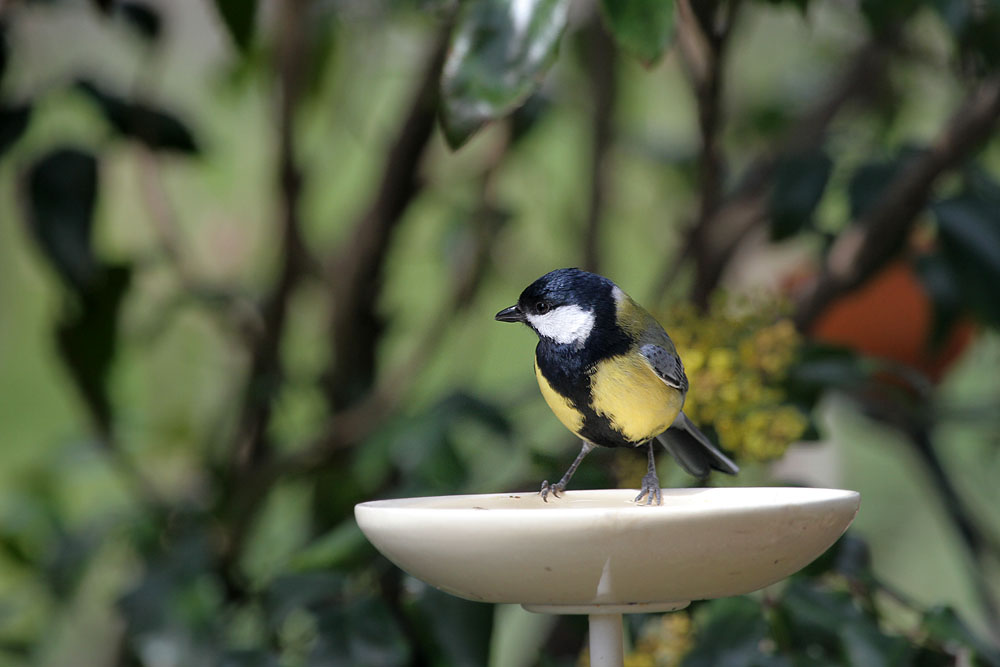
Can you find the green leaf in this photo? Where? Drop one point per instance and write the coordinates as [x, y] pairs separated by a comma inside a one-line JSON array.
[[815, 616], [155, 128], [943, 626], [869, 181], [821, 367], [640, 27], [885, 15], [88, 335], [239, 17], [62, 190], [730, 631], [461, 629], [340, 547], [969, 233], [249, 658], [498, 54], [13, 123], [974, 27], [309, 590], [358, 632], [799, 182], [849, 556], [945, 291]]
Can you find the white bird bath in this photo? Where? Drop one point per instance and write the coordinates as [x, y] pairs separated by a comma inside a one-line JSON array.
[[598, 553]]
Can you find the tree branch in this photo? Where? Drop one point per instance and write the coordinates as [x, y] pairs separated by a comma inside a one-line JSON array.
[[702, 40], [358, 267], [864, 247], [356, 422], [602, 67], [713, 240], [265, 366]]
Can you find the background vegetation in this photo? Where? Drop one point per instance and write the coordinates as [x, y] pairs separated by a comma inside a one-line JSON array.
[[250, 253]]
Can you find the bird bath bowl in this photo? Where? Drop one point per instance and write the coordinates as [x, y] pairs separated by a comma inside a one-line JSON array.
[[599, 553]]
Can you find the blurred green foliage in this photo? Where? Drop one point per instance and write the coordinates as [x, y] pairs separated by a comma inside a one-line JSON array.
[[250, 251]]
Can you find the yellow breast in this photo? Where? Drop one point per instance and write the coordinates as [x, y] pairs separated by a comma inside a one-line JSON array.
[[561, 406], [638, 404]]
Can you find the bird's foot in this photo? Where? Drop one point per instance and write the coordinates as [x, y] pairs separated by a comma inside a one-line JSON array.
[[554, 489], [650, 489]]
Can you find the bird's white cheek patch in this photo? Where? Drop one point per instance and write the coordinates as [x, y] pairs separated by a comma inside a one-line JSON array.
[[565, 324]]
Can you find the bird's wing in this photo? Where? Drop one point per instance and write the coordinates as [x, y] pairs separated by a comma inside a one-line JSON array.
[[666, 365]]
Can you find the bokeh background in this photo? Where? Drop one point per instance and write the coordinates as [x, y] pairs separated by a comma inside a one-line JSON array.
[[250, 253]]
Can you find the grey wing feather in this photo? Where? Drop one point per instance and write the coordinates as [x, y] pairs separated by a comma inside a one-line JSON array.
[[666, 365], [693, 450]]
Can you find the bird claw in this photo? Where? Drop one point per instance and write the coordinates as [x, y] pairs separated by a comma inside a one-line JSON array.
[[554, 489], [650, 490]]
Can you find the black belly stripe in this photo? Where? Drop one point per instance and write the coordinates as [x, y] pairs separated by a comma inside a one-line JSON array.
[[569, 375]]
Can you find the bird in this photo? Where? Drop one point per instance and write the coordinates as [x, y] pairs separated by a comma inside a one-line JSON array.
[[611, 375]]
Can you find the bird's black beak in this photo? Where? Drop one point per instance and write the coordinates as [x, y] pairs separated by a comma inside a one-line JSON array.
[[512, 314]]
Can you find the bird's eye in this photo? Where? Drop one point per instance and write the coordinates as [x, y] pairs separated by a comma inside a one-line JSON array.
[[541, 307]]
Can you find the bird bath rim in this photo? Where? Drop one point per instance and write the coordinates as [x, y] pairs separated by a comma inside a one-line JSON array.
[[599, 549]]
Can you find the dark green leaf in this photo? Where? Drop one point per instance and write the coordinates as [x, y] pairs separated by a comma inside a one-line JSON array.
[[341, 547], [870, 180], [142, 17], [177, 583], [358, 632], [815, 616], [249, 658], [239, 17], [87, 337], [974, 27], [155, 128], [66, 564], [498, 54], [801, 5], [13, 123], [969, 231], [849, 556], [865, 644], [799, 182], [821, 367], [979, 182], [526, 117], [730, 633], [62, 190], [640, 27], [945, 291], [943, 626], [885, 15], [310, 590], [461, 629]]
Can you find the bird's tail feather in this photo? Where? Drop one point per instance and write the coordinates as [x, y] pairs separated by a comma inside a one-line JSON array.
[[693, 450]]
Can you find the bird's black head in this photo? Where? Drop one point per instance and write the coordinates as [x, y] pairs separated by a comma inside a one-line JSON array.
[[566, 306]]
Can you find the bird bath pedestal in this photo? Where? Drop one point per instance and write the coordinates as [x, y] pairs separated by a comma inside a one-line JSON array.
[[598, 553]]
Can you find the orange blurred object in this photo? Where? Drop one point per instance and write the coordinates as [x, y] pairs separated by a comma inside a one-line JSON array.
[[890, 317]]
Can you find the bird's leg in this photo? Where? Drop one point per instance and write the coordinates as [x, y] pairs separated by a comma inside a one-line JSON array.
[[560, 486], [650, 482]]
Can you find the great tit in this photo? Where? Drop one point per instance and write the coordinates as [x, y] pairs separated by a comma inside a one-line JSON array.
[[611, 374]]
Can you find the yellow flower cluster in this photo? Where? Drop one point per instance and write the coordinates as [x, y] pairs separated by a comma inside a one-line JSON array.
[[736, 357], [663, 642]]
